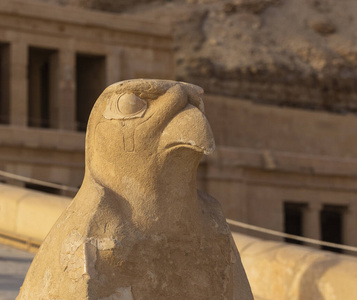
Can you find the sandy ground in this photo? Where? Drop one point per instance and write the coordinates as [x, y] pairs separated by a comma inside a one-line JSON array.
[[13, 267]]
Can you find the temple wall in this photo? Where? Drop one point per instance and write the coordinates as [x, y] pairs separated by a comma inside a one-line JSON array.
[[269, 158], [54, 63]]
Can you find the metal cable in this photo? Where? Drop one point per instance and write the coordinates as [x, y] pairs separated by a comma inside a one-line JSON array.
[[38, 182], [229, 221], [290, 236]]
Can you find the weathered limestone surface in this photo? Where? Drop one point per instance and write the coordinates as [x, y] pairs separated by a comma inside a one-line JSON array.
[[280, 271], [279, 52], [27, 214], [137, 228], [271, 267]]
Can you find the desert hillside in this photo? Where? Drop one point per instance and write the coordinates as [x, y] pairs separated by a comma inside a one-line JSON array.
[[300, 53]]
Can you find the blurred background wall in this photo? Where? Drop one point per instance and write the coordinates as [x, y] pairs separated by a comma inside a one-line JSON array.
[[280, 80]]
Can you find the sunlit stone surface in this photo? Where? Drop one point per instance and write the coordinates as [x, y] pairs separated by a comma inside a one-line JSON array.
[[138, 228]]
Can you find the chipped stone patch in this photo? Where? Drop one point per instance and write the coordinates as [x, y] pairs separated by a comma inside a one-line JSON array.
[[122, 293]]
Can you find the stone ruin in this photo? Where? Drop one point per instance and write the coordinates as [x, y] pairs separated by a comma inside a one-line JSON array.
[[138, 228]]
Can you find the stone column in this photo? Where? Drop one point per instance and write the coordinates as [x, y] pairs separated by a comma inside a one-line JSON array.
[[112, 68], [311, 223], [66, 95], [350, 226], [18, 84]]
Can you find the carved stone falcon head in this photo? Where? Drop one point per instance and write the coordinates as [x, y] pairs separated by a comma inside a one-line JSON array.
[[135, 123]]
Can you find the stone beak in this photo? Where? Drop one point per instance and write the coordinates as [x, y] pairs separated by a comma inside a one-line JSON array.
[[190, 129]]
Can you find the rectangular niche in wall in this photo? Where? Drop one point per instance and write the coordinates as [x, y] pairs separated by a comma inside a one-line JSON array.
[[293, 220], [42, 81], [42, 188], [90, 77], [331, 224], [4, 83]]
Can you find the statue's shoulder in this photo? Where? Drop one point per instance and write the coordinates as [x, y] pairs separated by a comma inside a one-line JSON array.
[[208, 200], [212, 209]]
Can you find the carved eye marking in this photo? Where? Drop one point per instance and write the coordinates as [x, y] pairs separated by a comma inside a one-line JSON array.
[[130, 104], [125, 106]]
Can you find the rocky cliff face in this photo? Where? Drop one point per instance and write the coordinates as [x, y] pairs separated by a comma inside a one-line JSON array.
[[116, 6], [281, 52]]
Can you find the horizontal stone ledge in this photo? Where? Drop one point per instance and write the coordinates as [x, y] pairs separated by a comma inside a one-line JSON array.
[[27, 214], [39, 138], [20, 242], [282, 161], [278, 270], [275, 270]]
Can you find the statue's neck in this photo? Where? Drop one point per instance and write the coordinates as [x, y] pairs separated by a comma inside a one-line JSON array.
[[161, 195]]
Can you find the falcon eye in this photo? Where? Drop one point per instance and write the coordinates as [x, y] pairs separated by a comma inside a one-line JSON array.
[[125, 106], [130, 104]]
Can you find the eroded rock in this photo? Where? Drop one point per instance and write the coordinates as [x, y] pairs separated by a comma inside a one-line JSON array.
[[138, 228]]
